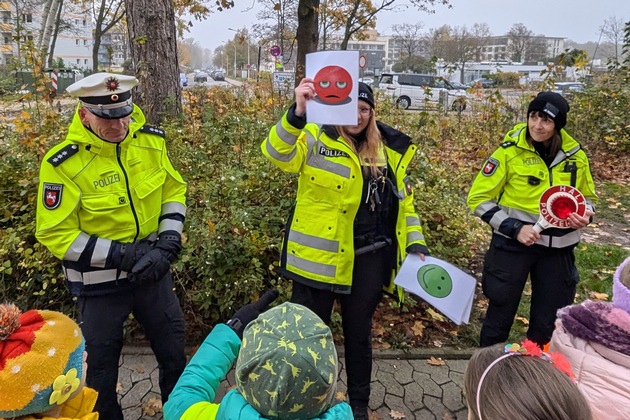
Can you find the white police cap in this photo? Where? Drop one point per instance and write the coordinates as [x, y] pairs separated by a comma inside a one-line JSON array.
[[106, 95]]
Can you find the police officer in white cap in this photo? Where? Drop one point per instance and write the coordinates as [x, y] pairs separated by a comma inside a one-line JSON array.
[[112, 209]]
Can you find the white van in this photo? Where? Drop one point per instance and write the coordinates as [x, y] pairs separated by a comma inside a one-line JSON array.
[[422, 91]]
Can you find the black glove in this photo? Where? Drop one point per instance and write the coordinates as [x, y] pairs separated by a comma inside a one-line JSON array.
[[153, 266], [250, 312], [124, 256]]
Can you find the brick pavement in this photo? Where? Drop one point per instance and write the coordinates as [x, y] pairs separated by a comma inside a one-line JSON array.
[[401, 382]]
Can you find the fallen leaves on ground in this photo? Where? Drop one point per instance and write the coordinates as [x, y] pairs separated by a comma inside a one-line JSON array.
[[152, 407], [599, 296], [435, 315], [340, 396], [436, 361], [418, 328], [522, 319], [397, 415]]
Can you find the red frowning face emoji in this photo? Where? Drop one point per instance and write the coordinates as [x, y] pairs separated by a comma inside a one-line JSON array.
[[333, 85]]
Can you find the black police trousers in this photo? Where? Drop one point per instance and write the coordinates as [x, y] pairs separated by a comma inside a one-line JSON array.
[[157, 309], [508, 264], [371, 271]]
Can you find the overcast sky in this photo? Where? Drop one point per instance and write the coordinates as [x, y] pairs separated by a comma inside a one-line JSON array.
[[578, 20]]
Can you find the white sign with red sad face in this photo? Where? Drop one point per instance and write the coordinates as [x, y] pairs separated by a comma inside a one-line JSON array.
[[335, 77]]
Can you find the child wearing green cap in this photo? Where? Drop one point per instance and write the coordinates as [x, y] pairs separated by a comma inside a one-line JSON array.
[[286, 368]]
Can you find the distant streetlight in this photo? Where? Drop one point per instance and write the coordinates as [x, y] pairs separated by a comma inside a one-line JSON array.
[[247, 39], [230, 29]]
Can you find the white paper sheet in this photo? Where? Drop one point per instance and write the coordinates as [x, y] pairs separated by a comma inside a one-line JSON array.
[[440, 284], [335, 75]]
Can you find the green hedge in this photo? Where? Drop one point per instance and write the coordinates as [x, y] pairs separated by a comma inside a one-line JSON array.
[[238, 202]]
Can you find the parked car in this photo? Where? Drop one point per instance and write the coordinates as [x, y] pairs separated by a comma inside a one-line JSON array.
[[422, 91], [183, 80], [218, 76], [567, 89], [201, 77], [367, 80], [458, 85], [484, 82]]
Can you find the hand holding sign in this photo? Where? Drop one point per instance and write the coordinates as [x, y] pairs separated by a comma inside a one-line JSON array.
[[557, 203]]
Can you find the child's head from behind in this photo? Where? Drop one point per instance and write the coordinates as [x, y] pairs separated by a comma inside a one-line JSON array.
[[621, 286], [41, 360], [287, 366], [520, 387]]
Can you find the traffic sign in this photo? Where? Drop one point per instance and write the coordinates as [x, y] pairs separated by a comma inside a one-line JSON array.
[[362, 61], [275, 50]]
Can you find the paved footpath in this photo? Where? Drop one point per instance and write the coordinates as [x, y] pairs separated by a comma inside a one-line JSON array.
[[402, 383]]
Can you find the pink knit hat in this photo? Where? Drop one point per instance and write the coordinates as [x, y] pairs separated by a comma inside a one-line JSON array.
[[621, 293]]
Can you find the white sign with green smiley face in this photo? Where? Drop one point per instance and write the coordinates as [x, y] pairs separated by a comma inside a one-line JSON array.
[[440, 284]]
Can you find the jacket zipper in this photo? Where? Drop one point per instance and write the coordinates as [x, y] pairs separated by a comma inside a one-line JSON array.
[[133, 209]]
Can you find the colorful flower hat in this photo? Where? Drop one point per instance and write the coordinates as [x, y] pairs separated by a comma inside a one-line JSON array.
[[287, 366], [41, 360]]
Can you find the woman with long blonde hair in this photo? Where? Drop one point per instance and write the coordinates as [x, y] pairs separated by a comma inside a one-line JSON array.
[[352, 224]]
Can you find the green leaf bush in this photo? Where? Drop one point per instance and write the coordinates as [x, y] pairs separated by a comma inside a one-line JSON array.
[[238, 202]]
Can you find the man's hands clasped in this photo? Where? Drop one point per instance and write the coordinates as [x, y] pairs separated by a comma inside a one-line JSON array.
[[153, 263]]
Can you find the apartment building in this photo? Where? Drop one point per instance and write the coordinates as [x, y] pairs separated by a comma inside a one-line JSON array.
[[73, 45]]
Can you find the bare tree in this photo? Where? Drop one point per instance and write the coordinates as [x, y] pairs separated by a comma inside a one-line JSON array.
[[278, 25], [307, 35], [153, 41], [612, 31], [520, 39], [106, 14], [408, 38]]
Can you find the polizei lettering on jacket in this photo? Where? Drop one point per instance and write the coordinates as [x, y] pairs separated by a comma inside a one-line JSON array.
[[105, 181], [331, 152]]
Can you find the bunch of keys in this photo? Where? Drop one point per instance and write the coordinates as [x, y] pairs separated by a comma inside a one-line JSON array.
[[373, 197]]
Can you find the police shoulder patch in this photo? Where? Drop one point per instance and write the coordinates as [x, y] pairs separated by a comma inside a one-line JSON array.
[[63, 154], [52, 195], [507, 144], [153, 130], [491, 165]]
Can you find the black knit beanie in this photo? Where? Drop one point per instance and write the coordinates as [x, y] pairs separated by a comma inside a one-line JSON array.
[[552, 104], [365, 94]]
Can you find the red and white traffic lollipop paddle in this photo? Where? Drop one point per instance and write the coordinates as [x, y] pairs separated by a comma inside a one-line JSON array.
[[556, 204]]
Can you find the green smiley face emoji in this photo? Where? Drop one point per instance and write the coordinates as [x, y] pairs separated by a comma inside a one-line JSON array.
[[435, 280]]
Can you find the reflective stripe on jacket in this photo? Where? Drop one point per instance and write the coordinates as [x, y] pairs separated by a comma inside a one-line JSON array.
[[318, 247], [104, 192], [509, 186]]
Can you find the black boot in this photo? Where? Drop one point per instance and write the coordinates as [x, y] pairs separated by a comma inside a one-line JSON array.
[[360, 413]]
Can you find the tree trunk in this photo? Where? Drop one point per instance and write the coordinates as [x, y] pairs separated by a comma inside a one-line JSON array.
[[307, 34], [49, 27], [96, 45], [53, 42], [153, 41]]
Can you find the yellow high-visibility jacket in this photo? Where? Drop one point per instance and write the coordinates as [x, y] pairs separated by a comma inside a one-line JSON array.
[[507, 190], [92, 192], [318, 248]]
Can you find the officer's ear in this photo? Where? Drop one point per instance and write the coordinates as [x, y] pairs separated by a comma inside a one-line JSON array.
[[83, 114]]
